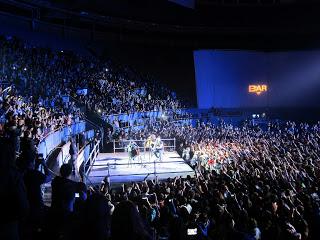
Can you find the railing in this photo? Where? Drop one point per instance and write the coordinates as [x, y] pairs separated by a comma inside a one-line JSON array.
[[92, 157], [51, 140], [87, 162], [6, 91], [63, 156], [141, 145], [150, 164], [138, 115], [122, 145], [81, 157], [141, 124], [154, 173]]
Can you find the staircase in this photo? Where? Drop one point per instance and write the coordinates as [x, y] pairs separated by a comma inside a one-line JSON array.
[[93, 119]]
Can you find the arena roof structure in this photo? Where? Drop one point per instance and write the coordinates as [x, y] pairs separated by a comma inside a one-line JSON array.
[[263, 24]]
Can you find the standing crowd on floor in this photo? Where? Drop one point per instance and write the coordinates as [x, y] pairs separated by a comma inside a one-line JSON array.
[[250, 183]]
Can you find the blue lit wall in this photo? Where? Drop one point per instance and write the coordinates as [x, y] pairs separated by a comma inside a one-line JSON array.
[[222, 78]]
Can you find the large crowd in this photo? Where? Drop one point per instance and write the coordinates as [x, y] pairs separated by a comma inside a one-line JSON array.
[[264, 181], [250, 182], [103, 86], [24, 117]]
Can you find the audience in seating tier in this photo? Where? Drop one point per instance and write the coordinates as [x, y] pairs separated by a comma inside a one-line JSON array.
[[250, 183]]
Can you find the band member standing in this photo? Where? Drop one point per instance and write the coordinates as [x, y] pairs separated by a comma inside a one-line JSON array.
[[149, 145], [158, 148], [133, 151]]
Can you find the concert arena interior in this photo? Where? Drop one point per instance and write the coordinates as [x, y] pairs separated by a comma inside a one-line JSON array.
[[159, 119]]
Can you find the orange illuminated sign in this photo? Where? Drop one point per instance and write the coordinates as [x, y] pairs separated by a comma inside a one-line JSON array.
[[257, 88]]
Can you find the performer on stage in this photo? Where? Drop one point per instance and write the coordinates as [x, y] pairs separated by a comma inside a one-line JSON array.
[[149, 143], [133, 151], [158, 148]]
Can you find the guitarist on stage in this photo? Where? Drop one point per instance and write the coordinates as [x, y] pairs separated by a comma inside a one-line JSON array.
[[133, 150], [158, 148]]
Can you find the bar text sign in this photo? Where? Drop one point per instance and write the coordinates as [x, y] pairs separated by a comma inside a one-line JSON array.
[[257, 88]]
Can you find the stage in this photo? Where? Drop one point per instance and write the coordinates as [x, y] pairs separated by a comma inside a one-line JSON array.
[[116, 166]]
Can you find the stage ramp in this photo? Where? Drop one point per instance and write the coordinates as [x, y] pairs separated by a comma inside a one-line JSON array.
[[147, 166]]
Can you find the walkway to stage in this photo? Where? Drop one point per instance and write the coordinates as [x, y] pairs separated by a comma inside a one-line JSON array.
[[116, 166]]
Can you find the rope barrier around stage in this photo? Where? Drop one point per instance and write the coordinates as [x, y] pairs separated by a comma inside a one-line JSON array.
[[136, 174], [136, 163], [109, 169], [142, 146]]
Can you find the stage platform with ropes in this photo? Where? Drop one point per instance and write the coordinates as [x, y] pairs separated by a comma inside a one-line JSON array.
[[115, 165]]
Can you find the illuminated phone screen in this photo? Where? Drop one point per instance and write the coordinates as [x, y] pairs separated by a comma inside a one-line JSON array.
[[192, 231]]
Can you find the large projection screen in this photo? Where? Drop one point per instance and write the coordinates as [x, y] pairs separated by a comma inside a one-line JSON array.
[[223, 78]]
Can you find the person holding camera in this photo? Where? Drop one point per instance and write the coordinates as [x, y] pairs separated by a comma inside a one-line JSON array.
[[34, 178], [64, 193]]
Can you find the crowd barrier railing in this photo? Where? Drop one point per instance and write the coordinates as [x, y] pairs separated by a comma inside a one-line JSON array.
[[138, 119], [142, 124], [6, 91], [86, 158], [54, 138], [127, 117], [89, 134], [64, 155], [82, 155]]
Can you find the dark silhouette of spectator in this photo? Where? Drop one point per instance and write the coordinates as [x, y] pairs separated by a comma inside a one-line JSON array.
[[82, 140], [64, 192], [28, 151], [14, 132], [97, 217], [33, 179], [14, 202], [127, 223], [73, 151]]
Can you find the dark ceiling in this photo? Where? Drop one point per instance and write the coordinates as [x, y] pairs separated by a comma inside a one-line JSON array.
[[225, 13], [239, 13], [266, 24]]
